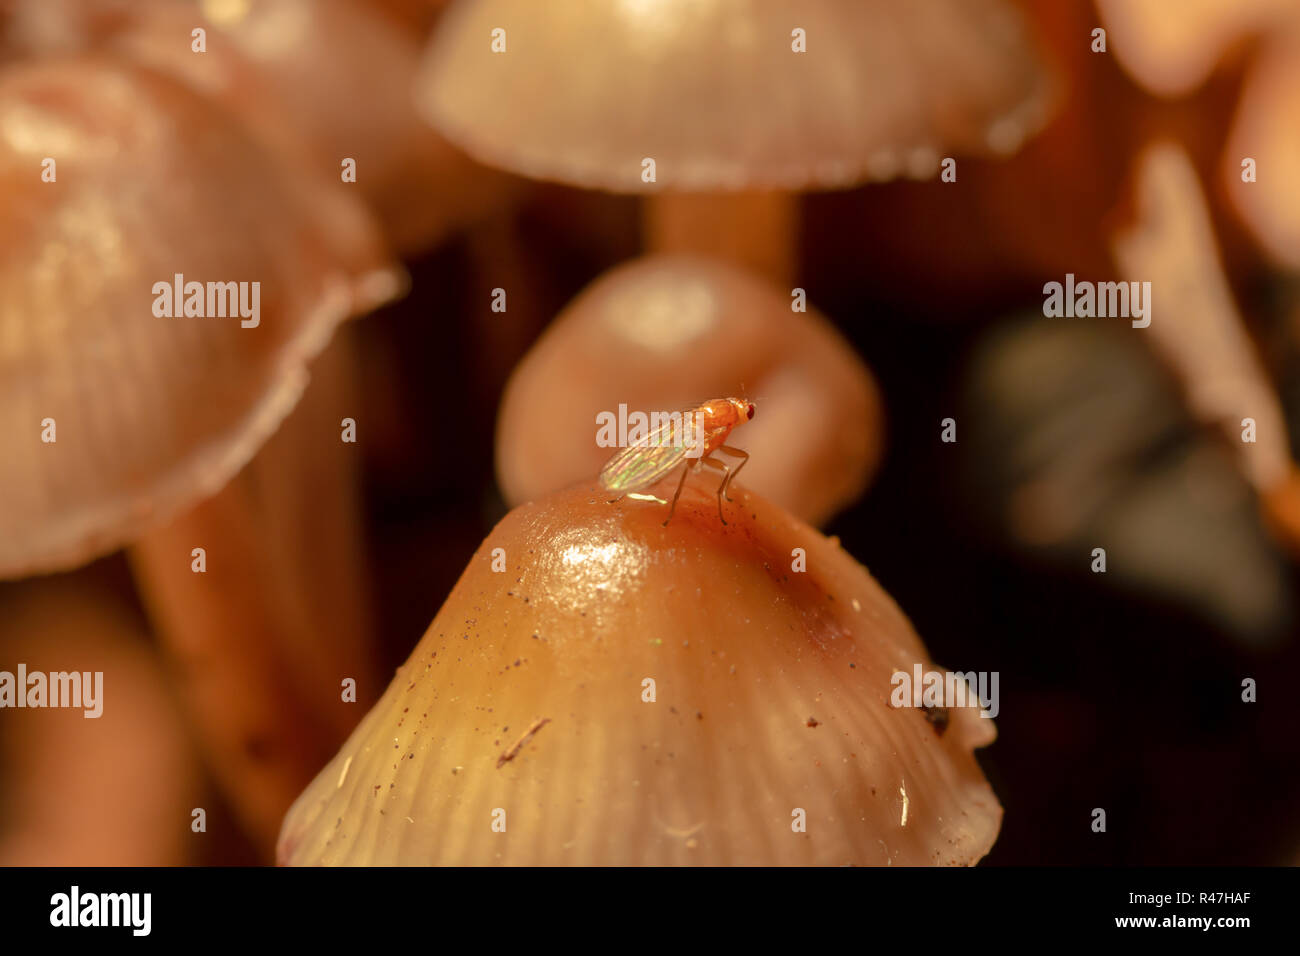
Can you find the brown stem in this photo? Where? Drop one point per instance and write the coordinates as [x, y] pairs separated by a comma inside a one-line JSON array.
[[1200, 332], [263, 639], [755, 230], [1280, 504], [114, 790]]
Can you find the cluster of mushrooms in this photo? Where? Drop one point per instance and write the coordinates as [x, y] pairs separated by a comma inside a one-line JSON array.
[[521, 729]]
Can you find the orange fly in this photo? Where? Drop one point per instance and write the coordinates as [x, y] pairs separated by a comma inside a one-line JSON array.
[[691, 438]]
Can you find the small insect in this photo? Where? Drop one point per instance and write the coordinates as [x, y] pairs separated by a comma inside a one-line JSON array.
[[689, 439]]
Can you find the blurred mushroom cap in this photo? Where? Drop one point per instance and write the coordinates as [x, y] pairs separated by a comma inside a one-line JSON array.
[[715, 93], [621, 692], [1265, 131], [149, 413], [319, 81], [1172, 49], [664, 333], [1198, 329]]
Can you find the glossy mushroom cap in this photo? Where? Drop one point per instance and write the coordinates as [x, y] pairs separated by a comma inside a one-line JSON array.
[[620, 692], [714, 92], [663, 333], [149, 413]]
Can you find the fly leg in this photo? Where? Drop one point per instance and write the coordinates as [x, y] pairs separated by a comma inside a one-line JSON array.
[[726, 484], [681, 484], [726, 476]]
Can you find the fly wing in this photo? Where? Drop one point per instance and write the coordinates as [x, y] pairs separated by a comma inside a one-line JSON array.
[[641, 465]]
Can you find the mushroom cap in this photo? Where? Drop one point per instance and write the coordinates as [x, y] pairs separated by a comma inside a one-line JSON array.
[[1171, 52], [714, 93], [151, 413], [1197, 328], [337, 76], [318, 80], [1265, 130], [772, 694], [666, 332]]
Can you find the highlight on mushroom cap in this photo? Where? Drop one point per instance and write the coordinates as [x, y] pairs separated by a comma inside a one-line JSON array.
[[600, 689]]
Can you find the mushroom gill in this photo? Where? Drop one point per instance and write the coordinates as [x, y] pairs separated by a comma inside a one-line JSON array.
[[602, 689]]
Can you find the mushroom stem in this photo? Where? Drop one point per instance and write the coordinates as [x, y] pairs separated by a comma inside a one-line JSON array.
[[756, 230], [1201, 333], [263, 638], [117, 789], [1280, 503]]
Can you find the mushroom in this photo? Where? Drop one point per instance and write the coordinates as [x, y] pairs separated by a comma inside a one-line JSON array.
[[1172, 52], [1264, 134], [117, 789], [148, 412], [119, 414], [416, 15], [601, 689], [321, 81], [1173, 55], [665, 332], [1200, 332], [743, 102]]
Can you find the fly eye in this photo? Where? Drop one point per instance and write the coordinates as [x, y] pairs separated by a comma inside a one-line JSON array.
[[749, 412]]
